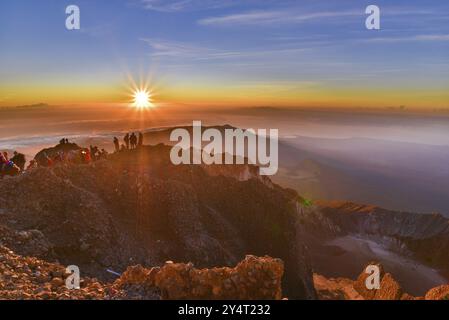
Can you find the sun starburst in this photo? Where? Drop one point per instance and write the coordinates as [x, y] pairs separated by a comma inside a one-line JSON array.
[[142, 99]]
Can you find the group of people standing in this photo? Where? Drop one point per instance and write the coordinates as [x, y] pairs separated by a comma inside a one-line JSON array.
[[131, 141], [97, 154], [69, 155], [18, 159], [66, 155]]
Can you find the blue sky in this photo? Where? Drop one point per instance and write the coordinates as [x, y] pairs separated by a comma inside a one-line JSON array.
[[301, 46]]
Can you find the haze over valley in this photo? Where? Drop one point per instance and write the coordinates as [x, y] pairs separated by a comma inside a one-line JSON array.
[[396, 160]]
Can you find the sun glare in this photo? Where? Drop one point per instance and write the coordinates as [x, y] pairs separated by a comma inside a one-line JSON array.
[[142, 99]]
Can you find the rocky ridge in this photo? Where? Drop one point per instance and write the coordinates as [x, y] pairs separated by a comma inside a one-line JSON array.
[[424, 237], [390, 289]]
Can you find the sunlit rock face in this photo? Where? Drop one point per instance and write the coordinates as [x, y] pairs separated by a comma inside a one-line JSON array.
[[254, 278]]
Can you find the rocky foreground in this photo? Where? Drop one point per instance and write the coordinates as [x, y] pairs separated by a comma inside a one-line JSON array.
[[254, 278], [31, 278]]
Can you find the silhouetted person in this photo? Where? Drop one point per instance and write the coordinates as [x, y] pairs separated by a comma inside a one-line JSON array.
[[96, 153], [67, 141], [49, 160], [140, 142], [116, 144], [62, 141], [133, 140], [103, 154], [126, 139], [19, 160], [3, 162], [86, 156]]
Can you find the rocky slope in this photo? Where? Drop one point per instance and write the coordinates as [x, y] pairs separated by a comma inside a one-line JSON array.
[[28, 278], [137, 208], [390, 289], [342, 237]]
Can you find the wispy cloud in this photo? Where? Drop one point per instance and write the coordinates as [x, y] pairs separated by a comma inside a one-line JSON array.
[[184, 5], [425, 37], [294, 15], [182, 50], [175, 49], [273, 17], [99, 30]]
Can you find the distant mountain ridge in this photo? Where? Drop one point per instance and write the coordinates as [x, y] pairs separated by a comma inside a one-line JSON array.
[[355, 169], [30, 106]]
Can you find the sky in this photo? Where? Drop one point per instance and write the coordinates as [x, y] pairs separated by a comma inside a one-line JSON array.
[[302, 53]]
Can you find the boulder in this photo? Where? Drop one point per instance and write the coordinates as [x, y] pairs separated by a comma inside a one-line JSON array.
[[438, 293], [254, 278], [389, 289]]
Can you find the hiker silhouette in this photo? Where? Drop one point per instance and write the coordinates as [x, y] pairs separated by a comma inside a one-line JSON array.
[[133, 140], [140, 142], [19, 160], [116, 144], [126, 139]]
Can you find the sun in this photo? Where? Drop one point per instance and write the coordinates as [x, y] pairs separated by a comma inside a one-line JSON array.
[[142, 99]]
